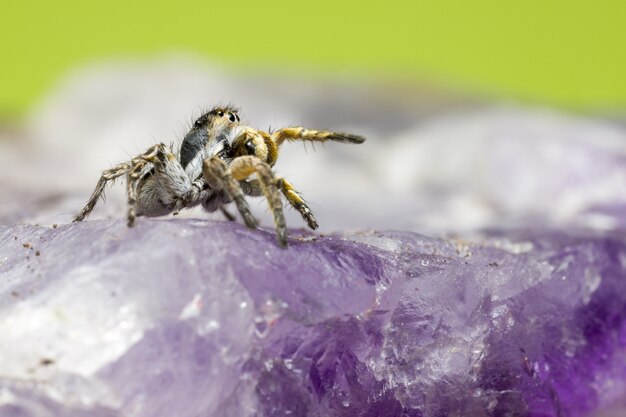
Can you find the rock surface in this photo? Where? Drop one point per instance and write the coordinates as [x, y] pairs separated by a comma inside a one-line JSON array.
[[199, 318]]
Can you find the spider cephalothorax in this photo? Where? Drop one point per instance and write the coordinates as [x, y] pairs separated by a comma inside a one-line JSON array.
[[217, 156]]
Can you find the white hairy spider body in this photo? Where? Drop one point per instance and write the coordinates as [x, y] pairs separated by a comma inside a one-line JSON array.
[[211, 169], [158, 195]]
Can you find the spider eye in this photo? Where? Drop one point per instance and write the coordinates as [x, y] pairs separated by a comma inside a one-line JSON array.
[[232, 117], [237, 116], [197, 123], [250, 148], [220, 113]]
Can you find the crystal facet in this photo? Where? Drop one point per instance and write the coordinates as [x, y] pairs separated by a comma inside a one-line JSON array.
[[200, 318]]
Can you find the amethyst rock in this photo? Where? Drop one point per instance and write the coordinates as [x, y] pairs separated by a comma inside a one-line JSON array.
[[101, 320]]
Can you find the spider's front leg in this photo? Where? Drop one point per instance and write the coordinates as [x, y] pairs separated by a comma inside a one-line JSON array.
[[293, 197], [241, 168], [217, 174], [311, 135]]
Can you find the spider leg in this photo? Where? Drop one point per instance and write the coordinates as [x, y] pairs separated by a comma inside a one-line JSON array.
[[218, 176], [108, 175], [134, 170], [229, 216], [132, 183], [140, 167], [131, 190], [191, 197], [297, 202], [310, 135], [253, 188], [244, 166]]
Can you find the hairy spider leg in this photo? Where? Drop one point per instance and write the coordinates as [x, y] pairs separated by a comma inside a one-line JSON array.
[[244, 166], [227, 214], [132, 184], [253, 188], [228, 177], [301, 133], [218, 176], [294, 199], [108, 175]]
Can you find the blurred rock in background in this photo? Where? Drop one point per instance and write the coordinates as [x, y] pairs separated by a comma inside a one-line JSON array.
[[433, 161], [513, 305]]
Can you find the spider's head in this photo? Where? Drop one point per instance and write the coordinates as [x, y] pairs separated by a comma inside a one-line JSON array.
[[212, 133], [220, 115]]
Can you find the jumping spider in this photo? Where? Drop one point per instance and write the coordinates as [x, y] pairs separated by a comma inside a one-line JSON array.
[[216, 158]]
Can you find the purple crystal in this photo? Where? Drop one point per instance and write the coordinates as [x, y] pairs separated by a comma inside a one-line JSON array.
[[183, 317], [102, 320]]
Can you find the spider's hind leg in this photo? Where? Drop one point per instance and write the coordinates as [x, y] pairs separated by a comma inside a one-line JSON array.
[[134, 170], [132, 184], [108, 175]]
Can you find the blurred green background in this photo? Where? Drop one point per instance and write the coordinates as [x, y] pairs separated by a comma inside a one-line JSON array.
[[568, 53]]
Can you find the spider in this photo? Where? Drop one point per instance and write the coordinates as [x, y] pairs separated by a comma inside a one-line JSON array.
[[216, 158]]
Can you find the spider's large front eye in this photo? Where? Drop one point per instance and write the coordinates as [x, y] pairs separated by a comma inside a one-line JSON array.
[[250, 147], [232, 117]]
